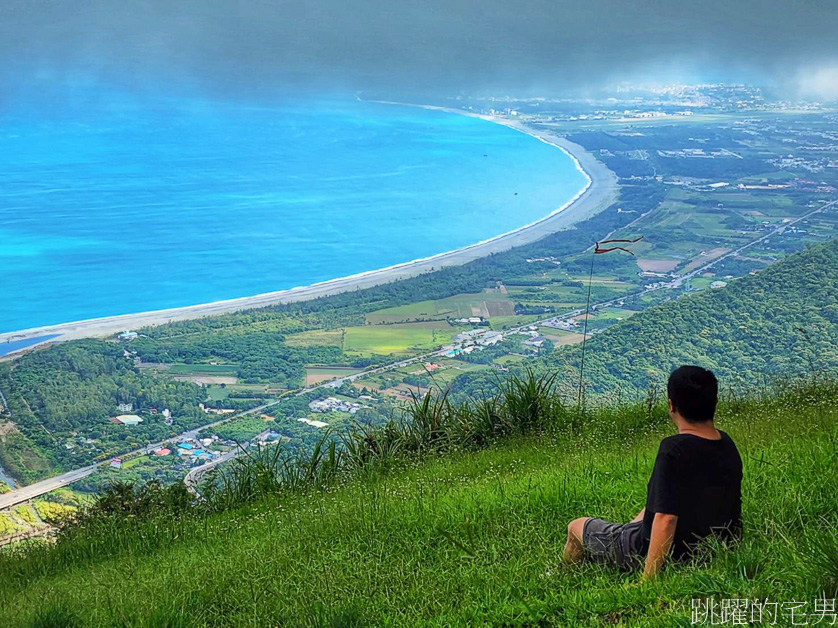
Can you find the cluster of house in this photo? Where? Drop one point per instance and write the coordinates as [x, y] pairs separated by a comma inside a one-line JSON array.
[[471, 320], [473, 340], [208, 410], [551, 259], [192, 451], [198, 451], [333, 404], [700, 153], [534, 339], [314, 423], [428, 367], [478, 337], [565, 324], [135, 419]]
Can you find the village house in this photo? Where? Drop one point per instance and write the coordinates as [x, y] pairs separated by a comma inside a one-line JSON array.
[[490, 338], [333, 404], [535, 341]]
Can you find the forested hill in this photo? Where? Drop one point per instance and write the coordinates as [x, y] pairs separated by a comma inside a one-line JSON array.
[[781, 321]]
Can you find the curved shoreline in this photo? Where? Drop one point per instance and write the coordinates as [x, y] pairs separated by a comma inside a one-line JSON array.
[[597, 194]]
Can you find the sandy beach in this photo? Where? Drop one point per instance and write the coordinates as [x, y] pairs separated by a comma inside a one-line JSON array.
[[600, 191]]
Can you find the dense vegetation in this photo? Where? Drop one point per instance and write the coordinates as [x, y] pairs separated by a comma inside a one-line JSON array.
[[261, 355], [61, 397], [455, 519]]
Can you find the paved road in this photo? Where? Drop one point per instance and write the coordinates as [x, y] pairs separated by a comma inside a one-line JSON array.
[[762, 238], [26, 493], [194, 476]]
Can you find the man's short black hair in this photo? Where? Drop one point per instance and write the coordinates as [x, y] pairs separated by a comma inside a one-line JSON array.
[[694, 391]]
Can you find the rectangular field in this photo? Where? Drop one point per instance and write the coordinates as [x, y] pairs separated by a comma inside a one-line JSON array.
[[317, 374], [396, 339]]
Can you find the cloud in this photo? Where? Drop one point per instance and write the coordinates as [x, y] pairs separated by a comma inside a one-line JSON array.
[[819, 83], [441, 45]]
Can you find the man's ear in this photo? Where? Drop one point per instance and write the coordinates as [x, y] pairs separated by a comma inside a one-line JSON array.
[[671, 407]]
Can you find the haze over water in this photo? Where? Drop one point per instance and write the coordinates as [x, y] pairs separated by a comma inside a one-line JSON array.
[[127, 207]]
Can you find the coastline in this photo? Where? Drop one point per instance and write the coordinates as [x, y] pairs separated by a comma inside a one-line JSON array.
[[598, 193]]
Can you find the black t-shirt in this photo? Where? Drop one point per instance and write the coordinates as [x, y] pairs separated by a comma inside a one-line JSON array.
[[700, 481]]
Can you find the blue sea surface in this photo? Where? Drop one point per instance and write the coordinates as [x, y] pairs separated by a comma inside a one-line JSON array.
[[131, 206]]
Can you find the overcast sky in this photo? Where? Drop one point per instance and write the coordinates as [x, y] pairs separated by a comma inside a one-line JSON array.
[[437, 46]]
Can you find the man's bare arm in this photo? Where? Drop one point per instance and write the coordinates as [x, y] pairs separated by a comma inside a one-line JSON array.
[[639, 516], [663, 531]]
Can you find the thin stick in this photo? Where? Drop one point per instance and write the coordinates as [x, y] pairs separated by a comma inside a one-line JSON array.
[[585, 330]]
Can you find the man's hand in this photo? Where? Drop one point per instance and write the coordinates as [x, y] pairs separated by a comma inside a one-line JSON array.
[[663, 531]]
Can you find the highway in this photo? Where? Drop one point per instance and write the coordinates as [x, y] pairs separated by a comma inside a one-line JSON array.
[[194, 476], [25, 493]]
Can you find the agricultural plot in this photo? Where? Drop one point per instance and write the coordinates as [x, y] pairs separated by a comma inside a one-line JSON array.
[[202, 369], [704, 257], [316, 338], [202, 374], [453, 369], [396, 339], [484, 304], [421, 310], [560, 337], [507, 360], [499, 323], [318, 374], [657, 265], [217, 393]]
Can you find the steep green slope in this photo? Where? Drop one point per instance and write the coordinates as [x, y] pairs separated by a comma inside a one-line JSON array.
[[459, 539]]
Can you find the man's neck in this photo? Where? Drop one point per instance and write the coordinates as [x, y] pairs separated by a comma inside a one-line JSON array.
[[702, 430]]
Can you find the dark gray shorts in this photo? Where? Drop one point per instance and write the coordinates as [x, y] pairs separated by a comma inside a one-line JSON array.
[[615, 544]]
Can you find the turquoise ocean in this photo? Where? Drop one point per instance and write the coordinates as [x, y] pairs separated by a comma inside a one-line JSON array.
[[125, 206]]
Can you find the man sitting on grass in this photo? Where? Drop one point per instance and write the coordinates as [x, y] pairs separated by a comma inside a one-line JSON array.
[[694, 491]]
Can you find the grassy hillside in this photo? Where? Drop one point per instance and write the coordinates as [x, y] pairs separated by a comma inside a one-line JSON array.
[[464, 531]]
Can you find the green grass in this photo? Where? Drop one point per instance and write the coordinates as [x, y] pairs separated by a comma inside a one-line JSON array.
[[509, 322], [396, 339], [507, 360], [217, 393], [420, 309], [25, 513], [316, 338], [460, 538], [135, 461]]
